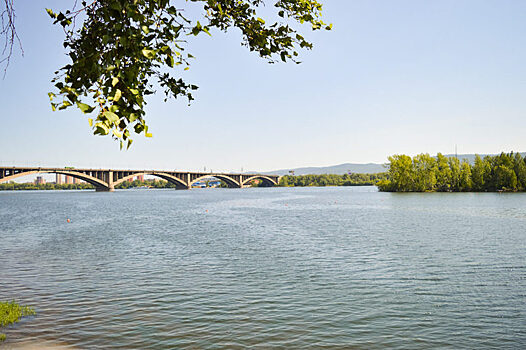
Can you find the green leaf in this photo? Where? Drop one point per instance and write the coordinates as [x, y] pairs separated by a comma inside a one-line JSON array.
[[90, 121], [115, 5], [112, 117], [101, 129], [85, 108], [51, 13], [150, 54], [170, 61], [117, 95], [148, 134], [114, 81], [139, 128], [65, 105]]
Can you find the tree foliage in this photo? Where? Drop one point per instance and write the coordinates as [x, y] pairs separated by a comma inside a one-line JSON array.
[[123, 50], [331, 180], [505, 172]]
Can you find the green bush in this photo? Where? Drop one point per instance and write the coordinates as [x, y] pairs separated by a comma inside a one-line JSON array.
[[11, 312]]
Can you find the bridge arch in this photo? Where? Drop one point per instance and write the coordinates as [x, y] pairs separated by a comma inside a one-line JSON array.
[[231, 182], [179, 183], [89, 179], [266, 180]]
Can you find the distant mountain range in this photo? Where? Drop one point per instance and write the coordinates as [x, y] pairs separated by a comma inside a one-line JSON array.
[[369, 168], [340, 169]]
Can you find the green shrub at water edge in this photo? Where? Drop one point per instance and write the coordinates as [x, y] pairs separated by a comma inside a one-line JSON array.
[[11, 312]]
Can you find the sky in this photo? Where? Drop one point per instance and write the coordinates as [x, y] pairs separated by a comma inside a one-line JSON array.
[[391, 77]]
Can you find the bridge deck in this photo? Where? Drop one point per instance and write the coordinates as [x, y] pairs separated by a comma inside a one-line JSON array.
[[107, 179]]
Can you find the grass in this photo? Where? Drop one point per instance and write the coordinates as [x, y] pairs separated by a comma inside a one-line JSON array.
[[11, 312]]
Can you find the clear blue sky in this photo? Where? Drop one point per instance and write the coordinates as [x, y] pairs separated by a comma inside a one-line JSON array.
[[392, 77]]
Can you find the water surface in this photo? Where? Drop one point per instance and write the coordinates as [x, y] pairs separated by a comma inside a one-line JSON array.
[[327, 268]]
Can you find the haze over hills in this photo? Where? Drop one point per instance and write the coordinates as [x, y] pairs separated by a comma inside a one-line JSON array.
[[340, 169], [369, 168]]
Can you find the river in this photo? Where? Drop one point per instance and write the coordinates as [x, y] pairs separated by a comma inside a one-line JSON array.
[[283, 268]]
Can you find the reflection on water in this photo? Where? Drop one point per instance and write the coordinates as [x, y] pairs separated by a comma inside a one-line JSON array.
[[265, 268]]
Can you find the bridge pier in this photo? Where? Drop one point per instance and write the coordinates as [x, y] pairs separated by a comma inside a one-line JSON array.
[[188, 182], [104, 189]]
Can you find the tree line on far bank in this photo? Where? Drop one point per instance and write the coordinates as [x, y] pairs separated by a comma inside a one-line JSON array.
[[15, 186], [423, 173], [331, 180]]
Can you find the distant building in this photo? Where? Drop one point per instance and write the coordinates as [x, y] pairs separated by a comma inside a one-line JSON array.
[[76, 181], [58, 179], [40, 180], [140, 177], [69, 179]]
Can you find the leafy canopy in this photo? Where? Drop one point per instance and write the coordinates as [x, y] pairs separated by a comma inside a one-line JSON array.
[[122, 50]]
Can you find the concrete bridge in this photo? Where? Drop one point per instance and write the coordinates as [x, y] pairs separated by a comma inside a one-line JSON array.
[[107, 179]]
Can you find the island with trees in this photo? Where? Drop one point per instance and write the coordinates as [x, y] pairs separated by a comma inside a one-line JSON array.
[[423, 173]]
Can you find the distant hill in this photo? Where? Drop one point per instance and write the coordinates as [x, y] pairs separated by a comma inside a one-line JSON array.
[[340, 169], [369, 168]]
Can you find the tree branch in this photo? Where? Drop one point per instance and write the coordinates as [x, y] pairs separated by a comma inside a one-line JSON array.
[[8, 33]]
